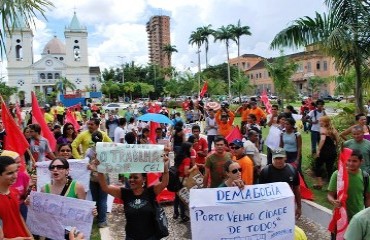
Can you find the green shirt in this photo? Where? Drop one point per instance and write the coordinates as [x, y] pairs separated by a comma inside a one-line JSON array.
[[215, 163], [364, 148], [355, 199], [359, 227], [71, 191]]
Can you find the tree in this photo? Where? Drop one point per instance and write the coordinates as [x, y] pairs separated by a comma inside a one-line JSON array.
[[12, 10], [62, 84], [171, 88], [168, 49], [216, 87], [281, 70], [205, 32], [343, 33], [129, 87], [315, 83], [241, 86], [145, 89], [108, 88], [224, 34], [238, 31], [6, 91], [344, 83]]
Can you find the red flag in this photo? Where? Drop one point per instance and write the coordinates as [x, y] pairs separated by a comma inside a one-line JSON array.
[[234, 134], [70, 118], [14, 138], [204, 89], [154, 108], [266, 101], [72, 108], [39, 118], [152, 135], [339, 222], [19, 114]]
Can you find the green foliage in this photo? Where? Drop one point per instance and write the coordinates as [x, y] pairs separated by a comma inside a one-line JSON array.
[[62, 84], [344, 83], [344, 119], [6, 91], [315, 83], [220, 72], [241, 86]]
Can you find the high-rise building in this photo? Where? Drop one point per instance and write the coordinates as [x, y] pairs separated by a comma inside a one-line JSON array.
[[158, 29]]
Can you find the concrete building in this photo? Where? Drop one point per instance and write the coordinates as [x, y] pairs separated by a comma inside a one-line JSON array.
[[58, 59], [158, 30], [311, 63]]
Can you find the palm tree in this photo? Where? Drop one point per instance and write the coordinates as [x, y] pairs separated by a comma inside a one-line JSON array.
[[168, 49], [343, 33], [11, 11], [225, 34], [238, 31], [205, 32], [197, 38], [63, 84]]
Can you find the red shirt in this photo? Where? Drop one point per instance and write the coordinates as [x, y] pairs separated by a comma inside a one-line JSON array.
[[13, 224], [181, 169], [200, 145]]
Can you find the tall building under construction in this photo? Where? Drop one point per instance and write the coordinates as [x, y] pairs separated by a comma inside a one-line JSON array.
[[158, 29]]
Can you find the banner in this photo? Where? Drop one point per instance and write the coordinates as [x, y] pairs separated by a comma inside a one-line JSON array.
[[77, 170], [49, 214], [194, 181], [273, 138], [129, 158], [263, 211]]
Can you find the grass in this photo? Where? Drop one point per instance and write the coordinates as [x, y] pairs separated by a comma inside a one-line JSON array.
[[95, 234]]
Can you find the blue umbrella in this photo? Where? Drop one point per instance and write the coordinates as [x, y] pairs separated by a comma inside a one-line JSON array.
[[155, 117]]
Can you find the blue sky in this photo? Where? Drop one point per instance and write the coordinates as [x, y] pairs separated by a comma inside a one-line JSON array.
[[117, 27]]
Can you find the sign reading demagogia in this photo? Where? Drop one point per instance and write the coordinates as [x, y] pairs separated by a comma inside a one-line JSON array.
[[49, 215], [77, 170], [129, 158], [258, 212]]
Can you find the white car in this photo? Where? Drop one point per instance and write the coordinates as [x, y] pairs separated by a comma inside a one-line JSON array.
[[114, 106]]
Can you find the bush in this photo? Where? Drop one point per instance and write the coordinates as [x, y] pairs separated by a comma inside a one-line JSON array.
[[344, 119]]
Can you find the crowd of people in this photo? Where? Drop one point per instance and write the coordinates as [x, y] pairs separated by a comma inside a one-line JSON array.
[[222, 160]]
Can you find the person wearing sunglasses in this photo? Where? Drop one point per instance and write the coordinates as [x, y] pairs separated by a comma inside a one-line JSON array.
[[65, 151], [240, 156], [68, 135], [234, 175]]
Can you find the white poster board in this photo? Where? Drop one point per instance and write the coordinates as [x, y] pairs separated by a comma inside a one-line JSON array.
[[273, 138], [77, 170], [49, 215], [263, 211], [129, 158]]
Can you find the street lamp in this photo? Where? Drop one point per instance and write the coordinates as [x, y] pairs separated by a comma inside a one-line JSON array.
[[123, 68], [199, 70]]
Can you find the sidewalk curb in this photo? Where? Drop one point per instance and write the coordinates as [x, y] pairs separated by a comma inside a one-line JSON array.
[[105, 233], [316, 213]]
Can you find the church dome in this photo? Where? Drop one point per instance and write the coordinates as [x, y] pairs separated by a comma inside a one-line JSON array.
[[54, 46]]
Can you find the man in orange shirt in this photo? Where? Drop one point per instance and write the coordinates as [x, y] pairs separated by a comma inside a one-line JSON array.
[[244, 112], [239, 156], [224, 119], [257, 111]]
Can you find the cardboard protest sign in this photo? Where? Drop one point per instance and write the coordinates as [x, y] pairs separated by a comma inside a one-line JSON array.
[[129, 158], [263, 211], [77, 170], [194, 181], [49, 214]]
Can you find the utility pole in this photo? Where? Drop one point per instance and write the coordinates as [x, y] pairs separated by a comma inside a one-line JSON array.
[[123, 68], [199, 70]]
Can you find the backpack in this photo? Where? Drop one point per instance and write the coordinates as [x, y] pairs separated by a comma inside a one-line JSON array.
[[174, 183], [365, 176]]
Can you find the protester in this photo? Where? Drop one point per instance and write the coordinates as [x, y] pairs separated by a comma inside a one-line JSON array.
[[120, 131], [211, 128], [200, 146], [361, 122], [253, 125], [27, 135], [39, 146], [244, 112], [327, 150], [178, 137], [84, 139], [280, 171], [239, 155], [359, 227], [64, 151], [224, 119], [68, 135], [111, 124], [2, 135], [251, 150], [57, 131], [313, 118], [144, 137], [291, 141], [234, 173], [359, 143], [214, 164], [48, 115], [258, 112], [11, 222], [139, 203], [59, 109]]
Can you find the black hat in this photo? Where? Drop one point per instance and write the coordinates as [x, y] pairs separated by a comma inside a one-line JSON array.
[[97, 137]]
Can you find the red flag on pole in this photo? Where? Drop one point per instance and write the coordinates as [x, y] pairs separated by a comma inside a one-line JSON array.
[[39, 118], [234, 134], [339, 222], [204, 89], [14, 138], [152, 135], [19, 114], [70, 118], [266, 101]]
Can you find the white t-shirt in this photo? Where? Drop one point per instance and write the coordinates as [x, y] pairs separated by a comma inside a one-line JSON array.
[[119, 134], [251, 149], [316, 127]]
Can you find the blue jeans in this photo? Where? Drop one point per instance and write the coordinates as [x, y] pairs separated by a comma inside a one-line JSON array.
[[315, 139], [210, 140], [100, 198]]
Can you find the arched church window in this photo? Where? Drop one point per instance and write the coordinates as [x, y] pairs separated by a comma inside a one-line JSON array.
[[56, 76], [76, 53], [42, 75], [19, 52], [50, 76]]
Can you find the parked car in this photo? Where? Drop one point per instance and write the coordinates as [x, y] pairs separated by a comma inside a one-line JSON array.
[[331, 98], [236, 100], [114, 106]]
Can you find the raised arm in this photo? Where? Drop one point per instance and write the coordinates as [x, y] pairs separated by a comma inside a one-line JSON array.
[[158, 188], [112, 190]]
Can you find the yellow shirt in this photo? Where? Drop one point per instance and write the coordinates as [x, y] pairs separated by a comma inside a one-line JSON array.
[[84, 139], [78, 116], [49, 118], [60, 110]]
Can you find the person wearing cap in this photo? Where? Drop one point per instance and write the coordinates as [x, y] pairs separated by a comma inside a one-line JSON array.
[[257, 111], [84, 138], [239, 155], [211, 128], [280, 171]]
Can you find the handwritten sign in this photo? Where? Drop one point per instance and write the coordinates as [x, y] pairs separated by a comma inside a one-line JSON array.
[[129, 158], [77, 170], [258, 212], [273, 138], [49, 214], [194, 181]]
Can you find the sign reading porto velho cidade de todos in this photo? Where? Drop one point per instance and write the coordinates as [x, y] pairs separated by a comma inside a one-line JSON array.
[[258, 212]]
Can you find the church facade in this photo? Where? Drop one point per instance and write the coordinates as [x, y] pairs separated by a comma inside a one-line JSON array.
[[58, 60]]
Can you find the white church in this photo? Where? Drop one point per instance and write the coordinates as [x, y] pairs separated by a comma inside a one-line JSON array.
[[58, 59]]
